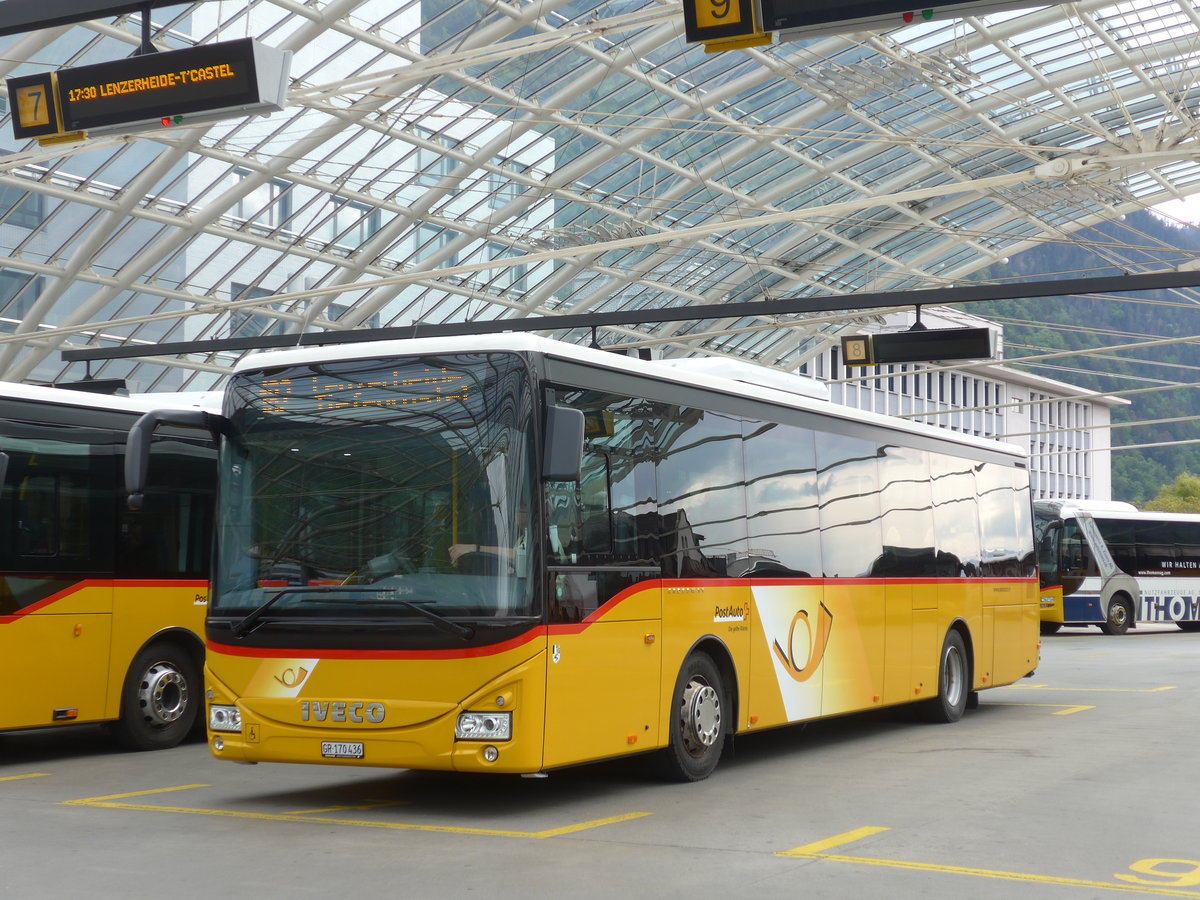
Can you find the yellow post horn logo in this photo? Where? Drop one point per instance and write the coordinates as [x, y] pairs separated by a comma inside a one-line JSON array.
[[817, 641]]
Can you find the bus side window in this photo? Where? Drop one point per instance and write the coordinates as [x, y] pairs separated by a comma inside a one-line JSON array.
[[58, 509], [563, 520], [1048, 556], [578, 516], [169, 536], [1076, 561]]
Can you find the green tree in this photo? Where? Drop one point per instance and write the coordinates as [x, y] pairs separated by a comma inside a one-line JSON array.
[[1182, 496]]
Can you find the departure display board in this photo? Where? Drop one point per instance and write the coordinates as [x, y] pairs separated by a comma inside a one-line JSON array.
[[409, 385], [798, 19], [158, 89]]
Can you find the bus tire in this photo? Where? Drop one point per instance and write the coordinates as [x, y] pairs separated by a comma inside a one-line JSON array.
[[1050, 627], [1120, 615], [698, 721], [160, 700], [954, 683]]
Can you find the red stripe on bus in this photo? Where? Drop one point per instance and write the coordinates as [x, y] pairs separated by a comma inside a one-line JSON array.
[[97, 583], [591, 619], [529, 636]]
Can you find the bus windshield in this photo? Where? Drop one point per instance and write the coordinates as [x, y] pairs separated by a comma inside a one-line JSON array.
[[388, 491]]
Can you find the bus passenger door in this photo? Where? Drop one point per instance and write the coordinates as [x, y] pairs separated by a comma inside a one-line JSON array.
[[603, 669], [56, 534], [54, 658]]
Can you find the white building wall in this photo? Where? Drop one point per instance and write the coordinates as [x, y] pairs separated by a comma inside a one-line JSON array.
[[1067, 436]]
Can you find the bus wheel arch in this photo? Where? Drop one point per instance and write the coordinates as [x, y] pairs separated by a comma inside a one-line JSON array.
[[955, 674], [703, 713], [1118, 618], [162, 693]]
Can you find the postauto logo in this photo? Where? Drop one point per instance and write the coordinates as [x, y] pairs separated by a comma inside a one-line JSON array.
[[732, 613]]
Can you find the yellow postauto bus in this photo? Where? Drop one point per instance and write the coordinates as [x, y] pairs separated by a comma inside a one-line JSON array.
[[101, 610], [510, 554]]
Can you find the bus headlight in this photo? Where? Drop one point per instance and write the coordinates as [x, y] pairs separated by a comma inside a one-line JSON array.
[[478, 726], [224, 718]]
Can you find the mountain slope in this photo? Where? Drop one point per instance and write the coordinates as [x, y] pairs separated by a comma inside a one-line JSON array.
[[1089, 325]]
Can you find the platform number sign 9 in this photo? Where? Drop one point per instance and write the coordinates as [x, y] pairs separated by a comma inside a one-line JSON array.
[[708, 21]]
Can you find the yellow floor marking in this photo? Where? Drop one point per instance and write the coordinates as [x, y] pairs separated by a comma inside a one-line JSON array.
[[113, 801], [1047, 687], [846, 837], [813, 851], [19, 777], [1063, 708]]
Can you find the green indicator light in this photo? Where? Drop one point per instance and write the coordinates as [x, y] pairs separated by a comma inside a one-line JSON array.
[[179, 120], [927, 14]]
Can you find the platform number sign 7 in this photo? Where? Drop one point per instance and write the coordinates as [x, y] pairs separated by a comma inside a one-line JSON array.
[[34, 106]]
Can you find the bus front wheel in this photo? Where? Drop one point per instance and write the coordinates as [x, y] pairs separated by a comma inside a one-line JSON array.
[[698, 714], [954, 686], [1120, 616], [160, 699]]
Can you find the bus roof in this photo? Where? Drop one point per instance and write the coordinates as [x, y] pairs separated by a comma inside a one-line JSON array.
[[1109, 509], [138, 403], [667, 371]]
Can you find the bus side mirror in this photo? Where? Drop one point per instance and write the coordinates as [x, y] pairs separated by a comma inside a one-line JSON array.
[[563, 456], [137, 445]]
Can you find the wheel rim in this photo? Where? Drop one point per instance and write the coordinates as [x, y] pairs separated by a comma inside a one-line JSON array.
[[163, 694], [1118, 615], [700, 716], [955, 675]]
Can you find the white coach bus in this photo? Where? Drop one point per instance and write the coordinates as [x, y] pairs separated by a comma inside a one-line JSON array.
[[1108, 564]]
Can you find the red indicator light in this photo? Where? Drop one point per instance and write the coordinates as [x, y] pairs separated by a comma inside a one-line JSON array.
[[908, 17], [166, 121]]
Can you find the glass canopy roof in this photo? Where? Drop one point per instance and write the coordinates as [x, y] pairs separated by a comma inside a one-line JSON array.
[[454, 160]]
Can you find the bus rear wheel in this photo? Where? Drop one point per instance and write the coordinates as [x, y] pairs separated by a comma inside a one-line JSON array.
[[954, 683], [1120, 616], [698, 721], [160, 699]]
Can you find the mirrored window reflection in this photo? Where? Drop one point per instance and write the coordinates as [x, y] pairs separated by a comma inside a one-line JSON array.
[[848, 482], [909, 545], [1024, 511], [1002, 546], [702, 496], [956, 520], [781, 495]]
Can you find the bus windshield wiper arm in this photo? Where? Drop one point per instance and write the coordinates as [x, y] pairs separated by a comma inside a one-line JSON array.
[[242, 627], [466, 632]]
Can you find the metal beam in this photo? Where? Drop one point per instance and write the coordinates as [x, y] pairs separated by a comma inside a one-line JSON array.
[[789, 306], [21, 16]]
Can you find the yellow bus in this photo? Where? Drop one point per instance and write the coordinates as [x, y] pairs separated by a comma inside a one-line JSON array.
[[101, 611], [510, 554]]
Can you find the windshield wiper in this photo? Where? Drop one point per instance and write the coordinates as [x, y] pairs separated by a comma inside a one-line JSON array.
[[466, 632]]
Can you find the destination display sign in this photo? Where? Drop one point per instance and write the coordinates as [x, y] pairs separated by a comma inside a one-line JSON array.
[[178, 87]]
